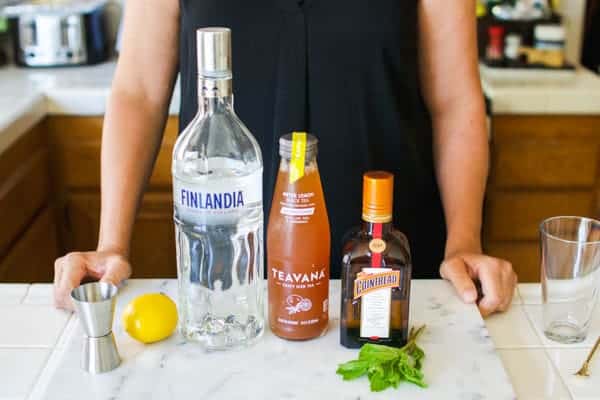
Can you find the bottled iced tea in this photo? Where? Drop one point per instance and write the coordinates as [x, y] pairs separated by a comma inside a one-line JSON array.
[[298, 241]]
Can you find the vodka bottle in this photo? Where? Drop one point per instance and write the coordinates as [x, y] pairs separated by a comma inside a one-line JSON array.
[[217, 187]]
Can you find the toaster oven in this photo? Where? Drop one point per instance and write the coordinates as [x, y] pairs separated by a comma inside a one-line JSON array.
[[58, 33]]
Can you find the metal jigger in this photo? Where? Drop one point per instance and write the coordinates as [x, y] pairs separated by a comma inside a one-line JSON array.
[[95, 305]]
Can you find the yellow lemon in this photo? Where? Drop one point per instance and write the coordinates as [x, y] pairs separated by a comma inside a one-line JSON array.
[[150, 317]]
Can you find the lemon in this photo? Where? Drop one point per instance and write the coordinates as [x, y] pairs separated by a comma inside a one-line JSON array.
[[150, 317]]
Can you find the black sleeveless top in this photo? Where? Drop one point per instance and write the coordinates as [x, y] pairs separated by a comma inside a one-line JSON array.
[[346, 71]]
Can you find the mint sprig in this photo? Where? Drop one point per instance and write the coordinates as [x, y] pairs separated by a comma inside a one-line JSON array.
[[387, 366]]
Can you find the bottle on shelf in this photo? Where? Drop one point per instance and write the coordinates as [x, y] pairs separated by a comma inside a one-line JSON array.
[[376, 272], [298, 244], [217, 186], [495, 47]]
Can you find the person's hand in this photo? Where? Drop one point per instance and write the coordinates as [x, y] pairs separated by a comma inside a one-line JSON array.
[[72, 269], [496, 276]]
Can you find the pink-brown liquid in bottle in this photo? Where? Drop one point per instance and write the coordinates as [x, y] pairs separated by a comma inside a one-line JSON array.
[[298, 241]]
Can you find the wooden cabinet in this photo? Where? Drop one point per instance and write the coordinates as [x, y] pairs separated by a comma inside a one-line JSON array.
[[541, 166], [75, 143], [153, 242], [515, 216], [32, 257], [28, 235]]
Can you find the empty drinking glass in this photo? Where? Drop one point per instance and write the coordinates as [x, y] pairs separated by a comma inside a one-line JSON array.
[[570, 276]]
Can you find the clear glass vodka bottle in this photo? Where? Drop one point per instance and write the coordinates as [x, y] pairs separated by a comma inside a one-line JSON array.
[[217, 186]]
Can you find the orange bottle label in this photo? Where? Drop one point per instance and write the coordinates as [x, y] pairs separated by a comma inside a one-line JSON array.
[[367, 282]]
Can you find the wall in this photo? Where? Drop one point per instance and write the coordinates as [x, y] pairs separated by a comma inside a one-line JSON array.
[[574, 13]]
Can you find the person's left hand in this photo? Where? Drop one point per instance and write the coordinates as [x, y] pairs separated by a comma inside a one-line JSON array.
[[497, 278]]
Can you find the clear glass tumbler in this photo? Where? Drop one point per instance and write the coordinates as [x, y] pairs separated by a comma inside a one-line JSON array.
[[570, 248]]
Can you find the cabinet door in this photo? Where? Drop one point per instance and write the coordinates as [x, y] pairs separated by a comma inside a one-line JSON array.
[[153, 242], [76, 144], [24, 186], [512, 215], [524, 256], [32, 257], [545, 152]]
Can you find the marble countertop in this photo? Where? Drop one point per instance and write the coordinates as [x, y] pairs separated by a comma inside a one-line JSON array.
[[40, 349], [27, 95]]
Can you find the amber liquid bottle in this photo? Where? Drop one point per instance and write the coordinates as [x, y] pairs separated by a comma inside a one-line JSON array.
[[298, 241], [376, 272]]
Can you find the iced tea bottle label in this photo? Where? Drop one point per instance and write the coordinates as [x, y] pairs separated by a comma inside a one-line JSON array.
[[297, 208], [298, 302]]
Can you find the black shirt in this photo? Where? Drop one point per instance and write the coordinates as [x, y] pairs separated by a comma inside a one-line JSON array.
[[347, 72]]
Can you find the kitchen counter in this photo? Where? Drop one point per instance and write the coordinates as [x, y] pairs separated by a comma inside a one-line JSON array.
[[29, 94], [545, 93], [39, 355]]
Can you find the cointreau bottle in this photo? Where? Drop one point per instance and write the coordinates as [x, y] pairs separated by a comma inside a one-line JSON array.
[[376, 272]]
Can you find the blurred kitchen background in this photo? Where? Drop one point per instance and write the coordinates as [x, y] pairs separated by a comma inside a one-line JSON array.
[[540, 66]]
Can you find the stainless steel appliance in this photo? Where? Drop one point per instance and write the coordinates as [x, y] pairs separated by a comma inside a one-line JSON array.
[[58, 32]]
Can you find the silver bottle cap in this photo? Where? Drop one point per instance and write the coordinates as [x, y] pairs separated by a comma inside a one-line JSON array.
[[214, 52]]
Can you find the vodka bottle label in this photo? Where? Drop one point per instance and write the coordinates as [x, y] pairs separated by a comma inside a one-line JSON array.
[[218, 196]]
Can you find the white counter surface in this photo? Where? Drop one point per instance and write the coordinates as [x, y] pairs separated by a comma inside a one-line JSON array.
[[514, 92], [26, 95], [39, 356]]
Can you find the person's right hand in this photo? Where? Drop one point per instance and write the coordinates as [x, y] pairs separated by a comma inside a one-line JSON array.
[[70, 270]]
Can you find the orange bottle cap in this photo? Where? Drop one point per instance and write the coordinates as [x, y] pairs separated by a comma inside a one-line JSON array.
[[378, 196]]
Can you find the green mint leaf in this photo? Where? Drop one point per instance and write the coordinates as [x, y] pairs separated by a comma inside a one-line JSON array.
[[411, 374], [378, 352], [377, 378], [378, 384], [352, 369], [387, 366], [394, 376]]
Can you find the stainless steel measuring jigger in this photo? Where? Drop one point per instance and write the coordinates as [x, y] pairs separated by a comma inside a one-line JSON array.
[[95, 305]]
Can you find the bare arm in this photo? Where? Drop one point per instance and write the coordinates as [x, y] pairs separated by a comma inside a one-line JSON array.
[[452, 90], [132, 132], [136, 114]]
